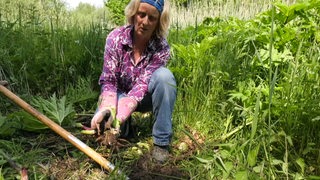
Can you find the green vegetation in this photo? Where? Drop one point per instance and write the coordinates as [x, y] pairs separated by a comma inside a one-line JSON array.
[[116, 11], [248, 87]]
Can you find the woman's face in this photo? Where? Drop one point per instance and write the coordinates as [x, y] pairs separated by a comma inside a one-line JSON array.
[[146, 20]]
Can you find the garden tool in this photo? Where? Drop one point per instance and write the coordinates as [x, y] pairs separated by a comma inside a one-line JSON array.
[[58, 129]]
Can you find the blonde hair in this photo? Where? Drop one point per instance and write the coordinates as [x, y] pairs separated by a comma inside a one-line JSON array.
[[164, 22]]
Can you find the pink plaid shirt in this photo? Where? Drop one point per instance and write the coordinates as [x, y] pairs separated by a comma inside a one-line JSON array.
[[120, 73]]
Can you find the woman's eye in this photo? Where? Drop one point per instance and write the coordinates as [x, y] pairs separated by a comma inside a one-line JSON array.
[[141, 14], [151, 18]]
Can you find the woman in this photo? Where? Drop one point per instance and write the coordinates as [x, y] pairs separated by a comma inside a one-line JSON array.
[[134, 77]]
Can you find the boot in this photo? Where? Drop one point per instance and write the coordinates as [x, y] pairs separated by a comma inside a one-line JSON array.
[[160, 153]]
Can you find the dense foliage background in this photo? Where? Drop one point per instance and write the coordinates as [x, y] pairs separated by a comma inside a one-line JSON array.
[[250, 86]]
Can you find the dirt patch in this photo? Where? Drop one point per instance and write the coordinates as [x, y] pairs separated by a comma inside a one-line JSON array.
[[72, 168], [64, 168]]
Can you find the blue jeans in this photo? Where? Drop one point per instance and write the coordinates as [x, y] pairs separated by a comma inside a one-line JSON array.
[[160, 99]]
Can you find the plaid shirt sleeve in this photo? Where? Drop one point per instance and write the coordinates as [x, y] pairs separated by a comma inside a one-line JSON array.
[[108, 80]]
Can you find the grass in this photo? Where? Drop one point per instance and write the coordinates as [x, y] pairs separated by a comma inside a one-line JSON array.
[[197, 11]]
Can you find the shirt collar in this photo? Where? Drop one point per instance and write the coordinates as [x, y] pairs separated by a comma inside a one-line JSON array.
[[127, 36]]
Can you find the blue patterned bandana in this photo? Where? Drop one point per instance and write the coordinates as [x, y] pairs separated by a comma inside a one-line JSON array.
[[156, 3]]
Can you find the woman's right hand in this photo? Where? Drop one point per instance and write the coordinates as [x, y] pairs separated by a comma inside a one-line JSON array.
[[99, 117], [106, 111]]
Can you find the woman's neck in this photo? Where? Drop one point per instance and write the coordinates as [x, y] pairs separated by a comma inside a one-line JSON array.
[[138, 52], [139, 46]]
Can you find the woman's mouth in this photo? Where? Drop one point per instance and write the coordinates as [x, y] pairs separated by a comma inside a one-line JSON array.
[[143, 29]]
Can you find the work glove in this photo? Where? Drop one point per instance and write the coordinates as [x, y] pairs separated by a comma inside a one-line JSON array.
[[126, 107], [105, 114]]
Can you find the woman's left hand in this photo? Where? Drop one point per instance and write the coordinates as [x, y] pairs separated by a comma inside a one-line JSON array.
[[126, 107]]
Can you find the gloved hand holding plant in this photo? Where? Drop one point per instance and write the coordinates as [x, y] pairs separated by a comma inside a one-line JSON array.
[[126, 106], [106, 108], [110, 117]]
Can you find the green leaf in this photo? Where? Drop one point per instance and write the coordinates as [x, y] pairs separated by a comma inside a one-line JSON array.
[[238, 95], [258, 169], [289, 139], [229, 167], [205, 161], [276, 162], [301, 164], [314, 177], [2, 162], [252, 155], [55, 109], [221, 163], [316, 119], [242, 175], [255, 119], [29, 122], [7, 126]]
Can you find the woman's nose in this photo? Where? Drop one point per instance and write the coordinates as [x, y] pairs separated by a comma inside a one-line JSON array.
[[145, 20]]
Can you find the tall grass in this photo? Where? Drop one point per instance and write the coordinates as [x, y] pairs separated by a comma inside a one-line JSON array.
[[43, 53], [196, 11], [50, 60]]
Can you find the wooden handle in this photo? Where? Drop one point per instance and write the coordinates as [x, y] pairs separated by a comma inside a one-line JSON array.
[[59, 130]]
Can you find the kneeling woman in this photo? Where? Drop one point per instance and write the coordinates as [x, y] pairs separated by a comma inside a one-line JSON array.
[[134, 76]]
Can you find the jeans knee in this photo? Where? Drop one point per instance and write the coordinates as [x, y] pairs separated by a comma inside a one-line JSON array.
[[163, 76]]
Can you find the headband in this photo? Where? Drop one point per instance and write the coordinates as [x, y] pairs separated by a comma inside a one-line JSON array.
[[156, 3]]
